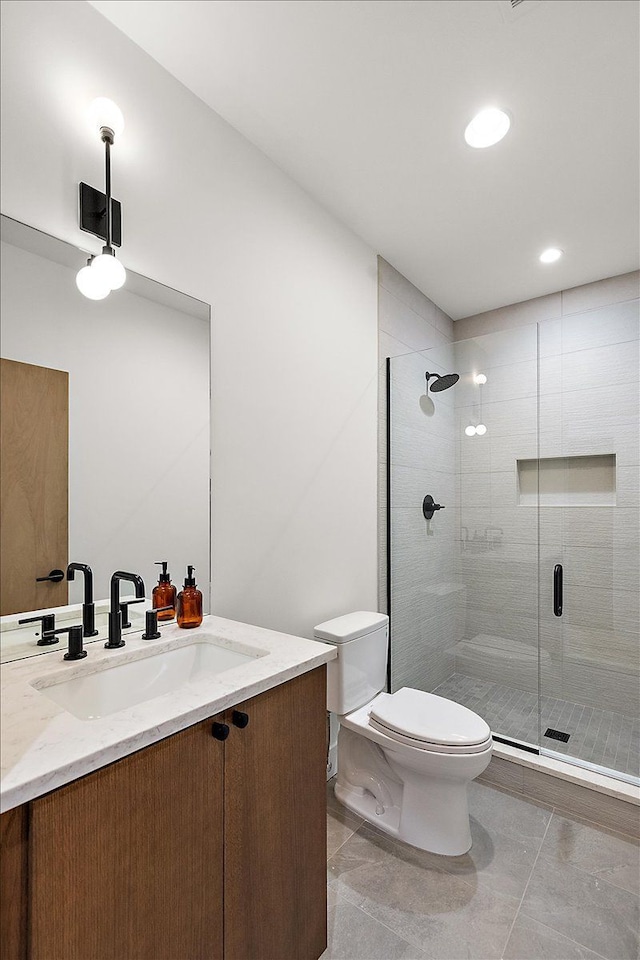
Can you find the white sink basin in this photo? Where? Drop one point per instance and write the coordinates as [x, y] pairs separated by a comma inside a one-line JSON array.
[[129, 684]]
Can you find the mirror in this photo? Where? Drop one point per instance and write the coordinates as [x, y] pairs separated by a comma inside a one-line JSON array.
[[106, 413]]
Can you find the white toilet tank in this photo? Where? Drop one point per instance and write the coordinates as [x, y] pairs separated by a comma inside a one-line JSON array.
[[360, 671]]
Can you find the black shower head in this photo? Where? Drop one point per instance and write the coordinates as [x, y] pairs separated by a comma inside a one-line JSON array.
[[442, 382]]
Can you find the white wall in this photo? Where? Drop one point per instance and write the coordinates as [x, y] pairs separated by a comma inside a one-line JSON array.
[[293, 292]]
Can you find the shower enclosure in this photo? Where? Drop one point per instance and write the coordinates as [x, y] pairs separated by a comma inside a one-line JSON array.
[[514, 528]]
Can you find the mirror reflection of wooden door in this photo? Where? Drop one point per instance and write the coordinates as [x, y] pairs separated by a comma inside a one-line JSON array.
[[34, 484]]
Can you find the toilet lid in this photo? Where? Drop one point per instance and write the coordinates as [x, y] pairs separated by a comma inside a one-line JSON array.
[[430, 719]]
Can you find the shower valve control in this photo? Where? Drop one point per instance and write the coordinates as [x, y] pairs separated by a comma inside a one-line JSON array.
[[429, 507]]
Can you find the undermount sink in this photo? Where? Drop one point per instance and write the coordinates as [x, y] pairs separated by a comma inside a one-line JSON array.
[[124, 685]]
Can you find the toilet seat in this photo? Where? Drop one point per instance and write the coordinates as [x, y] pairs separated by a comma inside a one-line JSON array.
[[428, 722]]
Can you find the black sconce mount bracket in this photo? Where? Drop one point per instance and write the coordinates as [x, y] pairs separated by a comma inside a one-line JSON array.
[[93, 214]]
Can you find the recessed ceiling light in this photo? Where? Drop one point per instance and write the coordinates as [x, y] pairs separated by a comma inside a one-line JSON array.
[[487, 127], [550, 255]]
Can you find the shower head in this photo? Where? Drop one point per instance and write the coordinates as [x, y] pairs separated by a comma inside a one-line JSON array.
[[442, 382]]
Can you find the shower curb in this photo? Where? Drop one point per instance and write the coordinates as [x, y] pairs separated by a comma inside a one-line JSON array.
[[592, 796]]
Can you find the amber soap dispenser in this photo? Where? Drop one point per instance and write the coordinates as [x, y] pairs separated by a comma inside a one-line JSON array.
[[164, 593], [189, 602]]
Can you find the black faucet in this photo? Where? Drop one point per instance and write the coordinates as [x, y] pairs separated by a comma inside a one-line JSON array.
[[48, 621], [115, 622], [88, 609]]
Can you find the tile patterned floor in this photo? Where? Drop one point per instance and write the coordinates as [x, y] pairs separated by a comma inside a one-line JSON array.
[[599, 736], [536, 885]]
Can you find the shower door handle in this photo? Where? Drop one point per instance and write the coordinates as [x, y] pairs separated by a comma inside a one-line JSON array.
[[557, 589]]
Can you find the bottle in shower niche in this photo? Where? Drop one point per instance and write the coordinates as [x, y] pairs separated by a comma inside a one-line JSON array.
[[164, 593], [189, 607]]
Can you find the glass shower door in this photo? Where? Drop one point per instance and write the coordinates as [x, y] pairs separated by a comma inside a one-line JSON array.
[[589, 528], [464, 578]]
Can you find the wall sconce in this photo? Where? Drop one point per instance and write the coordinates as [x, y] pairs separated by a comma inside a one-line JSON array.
[[100, 214]]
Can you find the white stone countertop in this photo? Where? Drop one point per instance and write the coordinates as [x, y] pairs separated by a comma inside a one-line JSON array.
[[43, 746]]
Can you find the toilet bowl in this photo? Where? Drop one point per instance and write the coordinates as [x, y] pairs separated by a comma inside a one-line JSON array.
[[404, 759]]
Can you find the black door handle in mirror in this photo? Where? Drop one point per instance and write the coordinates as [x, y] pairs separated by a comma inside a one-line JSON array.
[[557, 589], [55, 576], [220, 731], [239, 719], [429, 506]]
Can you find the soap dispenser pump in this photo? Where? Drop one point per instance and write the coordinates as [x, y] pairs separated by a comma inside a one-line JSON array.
[[164, 593], [189, 607]]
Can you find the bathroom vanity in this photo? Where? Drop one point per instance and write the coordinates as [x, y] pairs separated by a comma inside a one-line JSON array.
[[190, 825]]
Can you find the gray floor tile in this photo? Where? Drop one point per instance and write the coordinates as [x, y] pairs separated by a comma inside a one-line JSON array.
[[603, 854], [512, 816], [583, 908], [339, 829], [354, 935], [496, 862], [423, 904], [531, 940]]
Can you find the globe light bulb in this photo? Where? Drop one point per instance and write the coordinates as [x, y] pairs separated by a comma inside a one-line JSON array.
[[109, 270], [90, 284], [470, 431], [480, 378], [481, 429], [105, 113]]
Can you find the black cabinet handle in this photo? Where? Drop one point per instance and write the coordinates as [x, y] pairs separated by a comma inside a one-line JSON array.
[[220, 731], [557, 589], [55, 576], [239, 719]]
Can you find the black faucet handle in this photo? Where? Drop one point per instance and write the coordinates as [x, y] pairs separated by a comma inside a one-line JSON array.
[[76, 650], [151, 631], [48, 621], [124, 611]]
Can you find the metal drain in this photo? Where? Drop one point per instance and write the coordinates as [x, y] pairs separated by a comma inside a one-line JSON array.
[[557, 735]]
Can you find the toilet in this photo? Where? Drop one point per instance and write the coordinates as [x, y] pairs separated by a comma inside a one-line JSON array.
[[404, 758]]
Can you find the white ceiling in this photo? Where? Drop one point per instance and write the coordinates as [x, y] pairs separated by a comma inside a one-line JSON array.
[[364, 103]]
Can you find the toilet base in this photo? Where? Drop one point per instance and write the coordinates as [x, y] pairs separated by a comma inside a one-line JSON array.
[[393, 790], [363, 803], [447, 834]]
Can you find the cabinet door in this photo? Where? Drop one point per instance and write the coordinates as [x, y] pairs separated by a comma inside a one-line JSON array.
[[13, 883], [126, 864], [275, 824]]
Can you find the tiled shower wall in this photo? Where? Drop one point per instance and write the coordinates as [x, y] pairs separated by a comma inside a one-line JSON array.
[[589, 393], [409, 322]]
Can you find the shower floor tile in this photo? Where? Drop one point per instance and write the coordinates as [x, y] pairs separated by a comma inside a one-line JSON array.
[[597, 736]]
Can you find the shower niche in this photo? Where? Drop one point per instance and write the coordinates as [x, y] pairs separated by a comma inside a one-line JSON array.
[[582, 481]]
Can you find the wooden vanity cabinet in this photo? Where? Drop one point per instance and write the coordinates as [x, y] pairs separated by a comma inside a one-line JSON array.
[[194, 848]]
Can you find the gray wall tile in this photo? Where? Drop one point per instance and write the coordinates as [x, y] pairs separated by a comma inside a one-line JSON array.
[[612, 290]]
